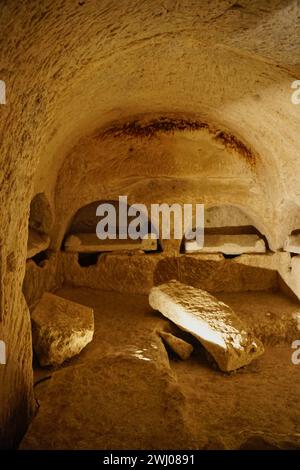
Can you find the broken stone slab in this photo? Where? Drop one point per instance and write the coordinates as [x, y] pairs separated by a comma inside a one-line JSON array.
[[60, 329], [37, 242], [228, 244], [89, 242], [182, 348], [292, 244], [213, 323]]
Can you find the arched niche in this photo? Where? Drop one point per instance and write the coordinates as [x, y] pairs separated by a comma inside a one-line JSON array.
[[228, 230], [292, 242], [81, 234]]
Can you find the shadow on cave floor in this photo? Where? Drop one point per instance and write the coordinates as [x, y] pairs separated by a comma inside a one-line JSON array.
[[122, 391]]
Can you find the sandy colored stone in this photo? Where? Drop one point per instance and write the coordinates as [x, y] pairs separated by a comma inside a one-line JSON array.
[[182, 348], [140, 405], [60, 329], [273, 317], [40, 216], [137, 274], [292, 244], [45, 277], [89, 243], [231, 64], [212, 322], [228, 244], [37, 242], [120, 393], [115, 402]]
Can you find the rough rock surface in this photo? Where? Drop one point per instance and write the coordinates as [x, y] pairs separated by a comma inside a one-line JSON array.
[[131, 401], [37, 242], [231, 64], [120, 392], [45, 277], [137, 274], [60, 329], [212, 322], [182, 348], [139, 399]]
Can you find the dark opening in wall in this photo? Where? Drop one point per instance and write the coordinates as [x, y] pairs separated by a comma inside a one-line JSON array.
[[88, 259], [41, 258], [40, 217], [159, 249]]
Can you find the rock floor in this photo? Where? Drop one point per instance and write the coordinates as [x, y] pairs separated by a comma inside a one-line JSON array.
[[124, 391]]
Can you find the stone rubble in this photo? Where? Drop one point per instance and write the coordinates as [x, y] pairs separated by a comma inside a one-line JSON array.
[[182, 348]]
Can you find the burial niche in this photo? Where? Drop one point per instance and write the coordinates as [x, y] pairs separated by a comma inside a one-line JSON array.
[[81, 236], [227, 230]]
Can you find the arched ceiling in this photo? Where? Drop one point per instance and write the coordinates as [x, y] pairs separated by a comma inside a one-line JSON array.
[[170, 160], [74, 67]]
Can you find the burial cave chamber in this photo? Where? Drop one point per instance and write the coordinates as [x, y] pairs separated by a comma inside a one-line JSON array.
[[154, 342]]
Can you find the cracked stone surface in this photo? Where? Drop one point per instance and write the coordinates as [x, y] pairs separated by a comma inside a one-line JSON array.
[[212, 322]]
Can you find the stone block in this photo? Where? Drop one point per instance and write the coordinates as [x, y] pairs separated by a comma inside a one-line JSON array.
[[212, 322], [60, 329]]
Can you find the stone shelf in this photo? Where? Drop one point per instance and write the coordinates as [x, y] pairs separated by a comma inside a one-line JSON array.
[[228, 244], [90, 243], [292, 244]]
